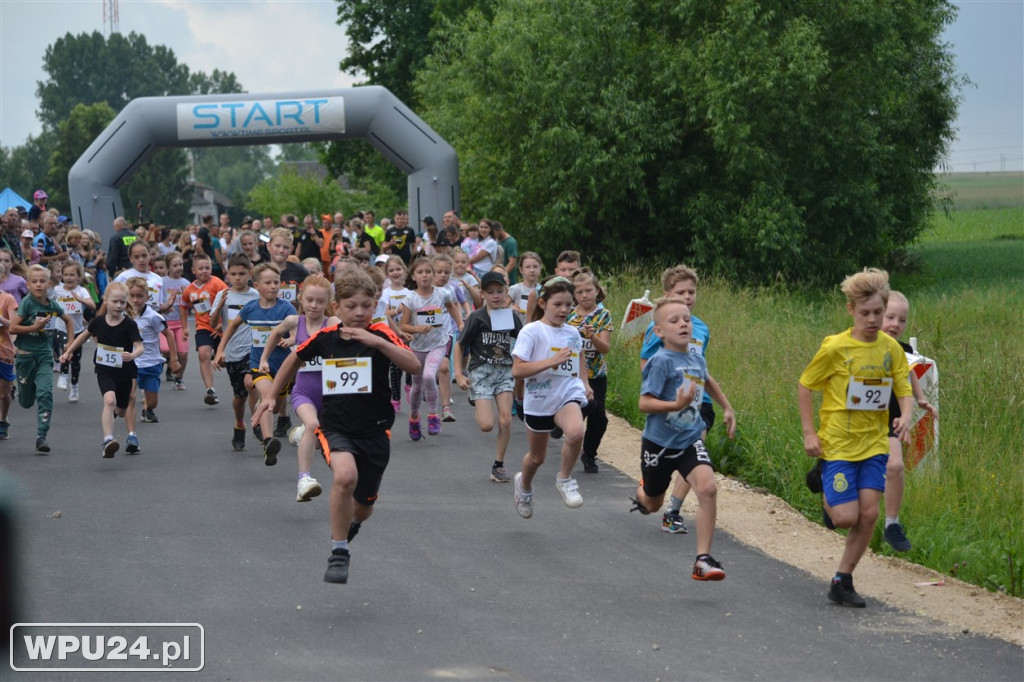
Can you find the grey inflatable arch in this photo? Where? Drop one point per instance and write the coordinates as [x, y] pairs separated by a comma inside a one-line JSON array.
[[369, 112]]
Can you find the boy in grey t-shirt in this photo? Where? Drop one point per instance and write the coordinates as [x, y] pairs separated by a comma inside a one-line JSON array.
[[226, 307]]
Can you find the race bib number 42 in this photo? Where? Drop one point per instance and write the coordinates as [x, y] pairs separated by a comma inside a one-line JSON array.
[[868, 394], [432, 317], [347, 375]]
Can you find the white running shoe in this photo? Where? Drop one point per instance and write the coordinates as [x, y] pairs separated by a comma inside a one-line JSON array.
[[308, 488], [73, 394], [570, 490], [295, 434], [523, 502], [62, 382]]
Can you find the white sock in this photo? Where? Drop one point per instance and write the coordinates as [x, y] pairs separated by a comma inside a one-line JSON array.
[[339, 544], [889, 520]]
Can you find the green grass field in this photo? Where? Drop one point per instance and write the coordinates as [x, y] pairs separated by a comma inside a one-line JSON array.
[[984, 190], [964, 511]]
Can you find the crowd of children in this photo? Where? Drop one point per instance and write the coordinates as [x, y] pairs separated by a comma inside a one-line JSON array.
[[344, 347]]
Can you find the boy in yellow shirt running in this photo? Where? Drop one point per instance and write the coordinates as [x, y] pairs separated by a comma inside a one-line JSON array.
[[857, 371]]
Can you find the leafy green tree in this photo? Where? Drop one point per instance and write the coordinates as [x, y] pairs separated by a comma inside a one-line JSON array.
[[90, 68], [74, 136], [759, 138], [292, 192], [23, 168]]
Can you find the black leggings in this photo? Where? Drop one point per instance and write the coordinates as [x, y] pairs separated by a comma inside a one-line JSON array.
[[597, 418], [60, 339], [395, 376]]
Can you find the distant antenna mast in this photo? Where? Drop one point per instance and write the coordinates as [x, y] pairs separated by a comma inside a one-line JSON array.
[[111, 19]]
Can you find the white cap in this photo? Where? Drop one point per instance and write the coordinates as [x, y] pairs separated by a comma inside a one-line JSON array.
[[382, 258]]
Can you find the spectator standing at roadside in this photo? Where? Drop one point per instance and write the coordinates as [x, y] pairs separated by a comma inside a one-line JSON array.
[[510, 247], [117, 250], [399, 238]]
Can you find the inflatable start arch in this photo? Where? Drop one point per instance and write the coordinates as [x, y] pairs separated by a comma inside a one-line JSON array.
[[372, 113]]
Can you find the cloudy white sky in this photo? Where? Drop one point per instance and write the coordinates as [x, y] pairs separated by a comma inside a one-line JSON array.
[[295, 44]]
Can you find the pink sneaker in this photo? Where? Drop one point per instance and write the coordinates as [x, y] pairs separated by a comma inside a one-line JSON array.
[[396, 405], [433, 424], [414, 429]]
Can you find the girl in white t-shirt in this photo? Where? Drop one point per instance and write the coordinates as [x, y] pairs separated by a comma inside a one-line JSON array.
[[174, 286], [547, 355], [392, 295], [463, 275], [425, 314], [487, 254], [74, 299]]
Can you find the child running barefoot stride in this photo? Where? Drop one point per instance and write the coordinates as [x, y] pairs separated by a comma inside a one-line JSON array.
[[857, 371], [118, 343], [547, 356], [487, 338], [307, 396], [356, 357], [670, 395], [424, 315]]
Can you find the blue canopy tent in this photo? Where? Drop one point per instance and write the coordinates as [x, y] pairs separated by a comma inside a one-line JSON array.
[[9, 198]]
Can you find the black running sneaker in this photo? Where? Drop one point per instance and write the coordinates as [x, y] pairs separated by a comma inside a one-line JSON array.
[[282, 426], [353, 529], [826, 519], [238, 439], [589, 465], [41, 444], [638, 507], [814, 477], [270, 450], [896, 537], [841, 592], [337, 567]]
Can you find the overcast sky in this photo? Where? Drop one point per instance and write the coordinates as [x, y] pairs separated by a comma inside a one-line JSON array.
[[296, 45]]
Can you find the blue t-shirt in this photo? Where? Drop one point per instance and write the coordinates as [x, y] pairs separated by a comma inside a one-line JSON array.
[[700, 337], [663, 374], [261, 322]]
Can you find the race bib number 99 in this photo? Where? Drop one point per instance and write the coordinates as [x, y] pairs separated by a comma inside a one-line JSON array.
[[109, 356], [566, 368], [347, 375], [868, 394]]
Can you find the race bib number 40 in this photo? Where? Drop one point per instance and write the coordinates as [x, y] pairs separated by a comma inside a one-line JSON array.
[[347, 375], [566, 368], [109, 356], [868, 394]]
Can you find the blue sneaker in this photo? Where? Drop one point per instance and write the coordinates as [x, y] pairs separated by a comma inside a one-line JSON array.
[[132, 444]]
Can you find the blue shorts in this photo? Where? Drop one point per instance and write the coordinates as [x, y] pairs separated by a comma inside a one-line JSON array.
[[149, 378], [842, 481], [204, 337], [7, 371]]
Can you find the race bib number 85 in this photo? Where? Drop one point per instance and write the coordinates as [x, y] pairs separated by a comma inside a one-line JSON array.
[[567, 368]]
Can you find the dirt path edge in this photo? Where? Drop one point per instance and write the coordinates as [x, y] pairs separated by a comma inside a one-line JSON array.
[[769, 524]]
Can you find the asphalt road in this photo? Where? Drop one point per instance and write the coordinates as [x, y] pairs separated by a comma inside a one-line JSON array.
[[447, 581]]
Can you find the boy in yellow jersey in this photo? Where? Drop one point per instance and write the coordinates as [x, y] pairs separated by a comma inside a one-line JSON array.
[[857, 371]]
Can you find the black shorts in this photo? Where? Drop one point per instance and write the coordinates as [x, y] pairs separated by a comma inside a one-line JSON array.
[[122, 389], [657, 464], [236, 373], [204, 337], [372, 455], [707, 413], [545, 423]]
